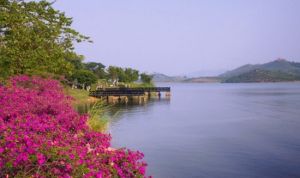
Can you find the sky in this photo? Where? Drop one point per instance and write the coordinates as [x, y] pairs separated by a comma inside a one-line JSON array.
[[181, 37]]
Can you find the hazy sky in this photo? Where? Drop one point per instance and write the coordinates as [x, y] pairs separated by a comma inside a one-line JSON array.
[[183, 36]]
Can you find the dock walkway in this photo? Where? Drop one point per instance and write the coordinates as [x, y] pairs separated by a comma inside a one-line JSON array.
[[127, 91]]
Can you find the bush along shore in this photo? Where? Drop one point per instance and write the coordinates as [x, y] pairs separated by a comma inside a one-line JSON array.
[[41, 135]]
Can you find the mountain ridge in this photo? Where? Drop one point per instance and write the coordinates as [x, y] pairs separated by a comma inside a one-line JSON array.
[[274, 71]]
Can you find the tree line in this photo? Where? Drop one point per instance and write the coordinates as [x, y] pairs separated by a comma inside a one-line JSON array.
[[88, 73], [37, 39]]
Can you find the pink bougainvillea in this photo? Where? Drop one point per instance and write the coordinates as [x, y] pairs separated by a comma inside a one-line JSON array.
[[41, 135]]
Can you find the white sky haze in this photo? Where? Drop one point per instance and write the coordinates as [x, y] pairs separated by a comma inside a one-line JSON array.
[[183, 36]]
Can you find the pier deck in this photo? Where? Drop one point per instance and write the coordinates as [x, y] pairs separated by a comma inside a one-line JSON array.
[[127, 91]]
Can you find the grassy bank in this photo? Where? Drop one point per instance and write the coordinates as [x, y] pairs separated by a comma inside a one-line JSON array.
[[80, 96], [96, 121], [136, 85]]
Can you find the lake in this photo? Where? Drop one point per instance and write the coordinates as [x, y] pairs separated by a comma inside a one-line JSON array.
[[215, 130]]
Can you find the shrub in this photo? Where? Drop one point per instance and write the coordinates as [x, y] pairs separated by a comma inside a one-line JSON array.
[[42, 136]]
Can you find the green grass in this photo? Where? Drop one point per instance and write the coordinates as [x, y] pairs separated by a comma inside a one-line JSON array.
[[104, 83], [80, 96], [136, 85], [97, 120], [101, 82]]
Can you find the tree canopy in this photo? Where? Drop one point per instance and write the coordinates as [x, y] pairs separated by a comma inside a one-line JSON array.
[[131, 75], [84, 77], [97, 68], [35, 38], [146, 78], [126, 75]]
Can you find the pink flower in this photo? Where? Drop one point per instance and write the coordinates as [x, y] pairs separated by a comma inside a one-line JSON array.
[[99, 174], [39, 124], [1, 150], [40, 158]]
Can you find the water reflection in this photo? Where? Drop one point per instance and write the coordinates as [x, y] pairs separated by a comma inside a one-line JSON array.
[[114, 110], [84, 108], [217, 130]]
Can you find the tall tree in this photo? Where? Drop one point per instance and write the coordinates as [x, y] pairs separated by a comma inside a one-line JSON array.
[[131, 75], [146, 78], [35, 38], [85, 77], [113, 73], [97, 68], [76, 60]]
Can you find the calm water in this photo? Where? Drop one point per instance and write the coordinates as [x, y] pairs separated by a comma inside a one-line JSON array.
[[216, 130]]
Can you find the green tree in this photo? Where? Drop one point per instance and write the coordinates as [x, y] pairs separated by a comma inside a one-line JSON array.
[[116, 74], [85, 77], [75, 60], [113, 73], [121, 74], [146, 78], [97, 68], [35, 38], [131, 75]]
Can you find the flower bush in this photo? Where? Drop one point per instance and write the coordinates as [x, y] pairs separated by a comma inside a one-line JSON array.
[[41, 135]]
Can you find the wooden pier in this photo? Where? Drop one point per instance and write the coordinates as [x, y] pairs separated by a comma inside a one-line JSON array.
[[127, 91], [125, 94]]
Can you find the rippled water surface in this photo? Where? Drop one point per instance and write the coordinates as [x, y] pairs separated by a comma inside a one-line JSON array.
[[216, 130]]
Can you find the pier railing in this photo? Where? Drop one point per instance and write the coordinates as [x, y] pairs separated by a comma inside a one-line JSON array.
[[127, 91]]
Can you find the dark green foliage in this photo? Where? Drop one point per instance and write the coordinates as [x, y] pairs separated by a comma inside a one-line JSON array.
[[295, 64], [259, 75], [146, 78], [281, 65], [85, 77], [35, 38], [127, 75], [131, 75], [114, 73], [75, 60], [238, 71], [97, 68], [93, 66]]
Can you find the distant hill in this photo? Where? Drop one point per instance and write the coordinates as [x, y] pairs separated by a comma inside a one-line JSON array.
[[275, 71], [204, 80], [204, 73], [157, 77], [259, 75], [239, 70]]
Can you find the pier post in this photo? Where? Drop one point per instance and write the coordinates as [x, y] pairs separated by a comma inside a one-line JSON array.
[[168, 94]]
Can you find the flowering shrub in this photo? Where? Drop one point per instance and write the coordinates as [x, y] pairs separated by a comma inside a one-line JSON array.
[[42, 136]]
